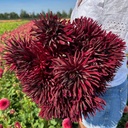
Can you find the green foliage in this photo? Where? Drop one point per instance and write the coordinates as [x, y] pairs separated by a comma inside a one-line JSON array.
[[25, 111], [123, 120], [8, 26]]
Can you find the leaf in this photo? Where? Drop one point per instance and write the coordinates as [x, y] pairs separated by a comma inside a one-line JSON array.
[[52, 126], [53, 121], [42, 125]]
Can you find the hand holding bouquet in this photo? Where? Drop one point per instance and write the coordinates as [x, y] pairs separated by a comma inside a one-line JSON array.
[[63, 67]]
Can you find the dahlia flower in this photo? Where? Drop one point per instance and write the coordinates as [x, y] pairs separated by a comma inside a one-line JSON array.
[[126, 109], [64, 67], [12, 111], [1, 72], [4, 103], [50, 31], [17, 124], [67, 123], [77, 84], [31, 62], [1, 126]]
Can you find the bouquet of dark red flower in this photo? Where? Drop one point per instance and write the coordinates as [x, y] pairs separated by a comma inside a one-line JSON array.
[[65, 67]]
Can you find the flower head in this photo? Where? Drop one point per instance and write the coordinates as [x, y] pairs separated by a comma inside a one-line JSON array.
[[77, 85], [126, 109], [50, 30], [4, 103], [1, 126], [1, 72], [17, 124], [31, 62], [12, 111], [67, 123]]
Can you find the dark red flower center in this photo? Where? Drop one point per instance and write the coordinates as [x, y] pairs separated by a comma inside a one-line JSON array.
[[4, 103], [73, 75]]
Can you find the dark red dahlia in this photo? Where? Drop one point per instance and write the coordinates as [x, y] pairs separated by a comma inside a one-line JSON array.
[[49, 30], [1, 72], [77, 84], [107, 47], [31, 62], [82, 31], [108, 54]]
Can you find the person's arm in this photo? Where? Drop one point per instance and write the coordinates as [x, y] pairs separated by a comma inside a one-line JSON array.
[[115, 19], [81, 125], [89, 8]]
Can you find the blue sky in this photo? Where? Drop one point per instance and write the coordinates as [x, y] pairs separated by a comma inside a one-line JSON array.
[[35, 5]]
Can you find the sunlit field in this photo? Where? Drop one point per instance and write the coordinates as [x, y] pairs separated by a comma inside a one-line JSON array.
[[8, 25]]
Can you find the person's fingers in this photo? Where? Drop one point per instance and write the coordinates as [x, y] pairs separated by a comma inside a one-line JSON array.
[[81, 125]]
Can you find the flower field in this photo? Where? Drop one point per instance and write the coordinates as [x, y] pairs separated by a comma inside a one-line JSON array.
[[16, 109]]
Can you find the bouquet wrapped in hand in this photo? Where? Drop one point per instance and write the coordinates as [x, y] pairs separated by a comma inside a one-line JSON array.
[[64, 67]]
